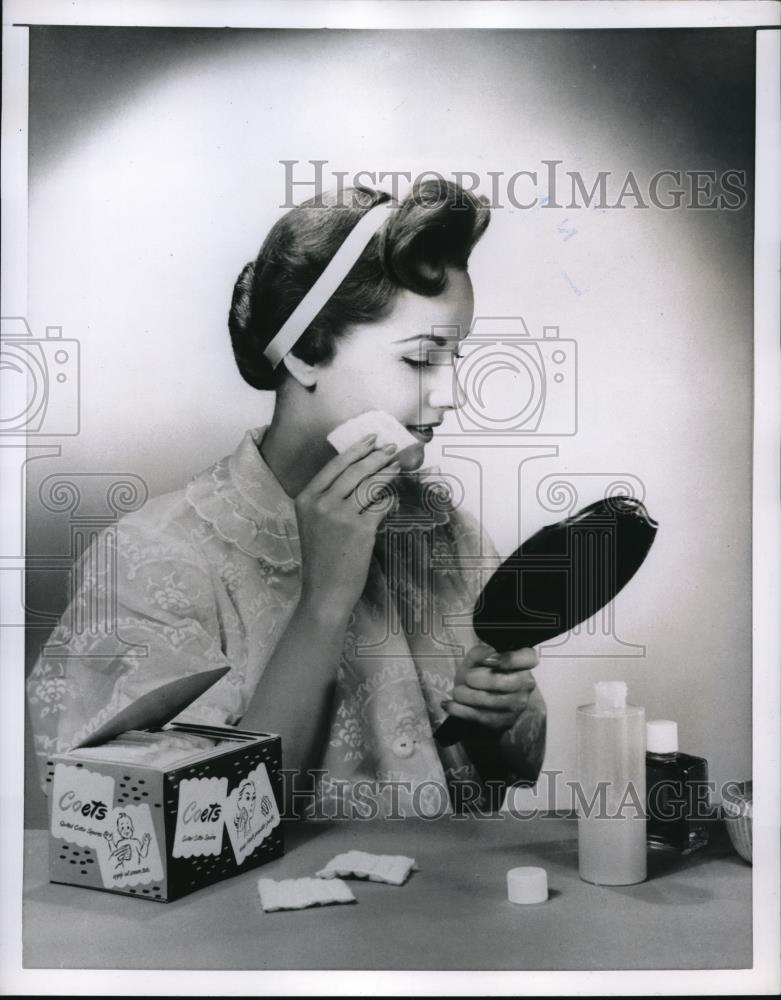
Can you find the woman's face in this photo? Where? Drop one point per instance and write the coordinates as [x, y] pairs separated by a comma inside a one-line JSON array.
[[403, 364], [247, 798]]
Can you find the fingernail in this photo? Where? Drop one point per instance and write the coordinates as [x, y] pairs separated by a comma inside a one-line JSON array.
[[492, 659], [390, 448], [370, 439], [393, 467]]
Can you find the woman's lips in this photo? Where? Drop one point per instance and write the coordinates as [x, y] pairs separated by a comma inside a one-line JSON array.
[[424, 434]]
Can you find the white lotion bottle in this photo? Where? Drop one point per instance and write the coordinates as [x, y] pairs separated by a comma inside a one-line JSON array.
[[611, 793]]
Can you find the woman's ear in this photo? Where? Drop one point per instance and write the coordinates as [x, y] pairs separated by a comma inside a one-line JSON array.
[[301, 371]]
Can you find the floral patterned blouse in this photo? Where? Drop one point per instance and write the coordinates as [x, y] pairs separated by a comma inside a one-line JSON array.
[[210, 575]]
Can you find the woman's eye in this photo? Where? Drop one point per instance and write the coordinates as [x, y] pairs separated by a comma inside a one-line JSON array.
[[416, 363]]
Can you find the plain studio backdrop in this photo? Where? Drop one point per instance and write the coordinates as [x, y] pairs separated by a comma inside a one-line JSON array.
[[155, 174]]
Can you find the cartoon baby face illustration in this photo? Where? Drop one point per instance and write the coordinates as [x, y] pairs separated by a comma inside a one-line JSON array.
[[124, 826], [125, 848]]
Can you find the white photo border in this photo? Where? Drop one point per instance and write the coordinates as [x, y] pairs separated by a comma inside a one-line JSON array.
[[763, 978]]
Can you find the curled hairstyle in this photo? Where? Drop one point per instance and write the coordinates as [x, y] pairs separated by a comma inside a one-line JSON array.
[[435, 227]]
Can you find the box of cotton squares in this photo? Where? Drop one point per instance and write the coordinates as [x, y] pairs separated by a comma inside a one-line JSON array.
[[157, 813], [328, 887]]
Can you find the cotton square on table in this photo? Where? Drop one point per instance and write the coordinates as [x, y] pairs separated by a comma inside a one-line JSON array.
[[298, 893], [393, 869]]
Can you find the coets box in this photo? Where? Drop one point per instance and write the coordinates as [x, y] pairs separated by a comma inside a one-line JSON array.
[[160, 830]]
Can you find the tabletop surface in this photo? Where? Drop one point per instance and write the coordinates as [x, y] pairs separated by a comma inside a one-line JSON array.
[[691, 913]]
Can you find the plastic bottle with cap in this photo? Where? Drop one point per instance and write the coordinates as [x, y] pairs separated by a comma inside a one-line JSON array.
[[611, 788], [678, 796]]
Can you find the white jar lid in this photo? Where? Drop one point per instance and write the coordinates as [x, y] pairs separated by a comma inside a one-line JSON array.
[[661, 736], [527, 885]]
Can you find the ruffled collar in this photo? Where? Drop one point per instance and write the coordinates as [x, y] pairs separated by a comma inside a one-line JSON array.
[[246, 505], [242, 499]]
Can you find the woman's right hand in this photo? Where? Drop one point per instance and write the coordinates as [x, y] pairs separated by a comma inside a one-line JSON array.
[[337, 534]]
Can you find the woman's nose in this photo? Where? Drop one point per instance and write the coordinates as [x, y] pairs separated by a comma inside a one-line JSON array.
[[447, 394]]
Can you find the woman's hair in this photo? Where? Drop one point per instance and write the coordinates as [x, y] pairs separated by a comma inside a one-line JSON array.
[[435, 227]]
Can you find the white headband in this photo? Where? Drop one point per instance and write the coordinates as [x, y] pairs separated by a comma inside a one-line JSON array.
[[334, 274]]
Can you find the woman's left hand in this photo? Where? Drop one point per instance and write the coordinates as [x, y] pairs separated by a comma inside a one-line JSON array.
[[491, 688]]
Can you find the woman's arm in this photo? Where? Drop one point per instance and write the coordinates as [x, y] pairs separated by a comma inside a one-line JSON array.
[[294, 695]]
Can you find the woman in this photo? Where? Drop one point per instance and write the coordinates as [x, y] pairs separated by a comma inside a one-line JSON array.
[[345, 619]]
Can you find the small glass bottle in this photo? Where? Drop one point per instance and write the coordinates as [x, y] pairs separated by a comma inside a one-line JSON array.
[[677, 792]]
